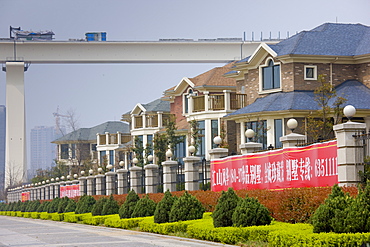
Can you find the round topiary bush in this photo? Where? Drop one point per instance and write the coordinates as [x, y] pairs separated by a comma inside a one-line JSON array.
[[250, 212], [43, 207], [53, 206], [187, 207], [222, 216], [110, 207], [330, 216], [162, 211], [127, 208], [71, 207], [98, 206], [144, 207], [85, 204], [32, 207], [63, 202]]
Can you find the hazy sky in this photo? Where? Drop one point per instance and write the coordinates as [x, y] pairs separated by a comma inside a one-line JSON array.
[[99, 93]]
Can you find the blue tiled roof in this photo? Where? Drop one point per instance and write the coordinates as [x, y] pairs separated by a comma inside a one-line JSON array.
[[89, 134], [328, 39], [354, 91], [157, 105]]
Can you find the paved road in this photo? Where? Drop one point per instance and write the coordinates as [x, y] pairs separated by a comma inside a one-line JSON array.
[[16, 231]]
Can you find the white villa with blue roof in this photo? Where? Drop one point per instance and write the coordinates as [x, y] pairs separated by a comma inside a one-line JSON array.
[[279, 79]]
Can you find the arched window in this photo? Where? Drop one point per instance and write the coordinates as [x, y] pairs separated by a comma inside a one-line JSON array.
[[271, 76]]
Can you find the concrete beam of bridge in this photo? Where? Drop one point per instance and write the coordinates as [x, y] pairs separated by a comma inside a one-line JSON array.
[[41, 52]]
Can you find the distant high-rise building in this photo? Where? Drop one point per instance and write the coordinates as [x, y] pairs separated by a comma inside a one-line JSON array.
[[42, 151], [2, 146]]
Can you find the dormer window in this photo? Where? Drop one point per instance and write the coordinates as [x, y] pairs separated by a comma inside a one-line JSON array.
[[310, 72], [270, 76]]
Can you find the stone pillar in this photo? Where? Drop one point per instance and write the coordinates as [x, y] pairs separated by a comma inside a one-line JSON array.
[[83, 185], [192, 165], [250, 147], [47, 192], [100, 184], [169, 175], [206, 101], [217, 153], [42, 192], [292, 140], [91, 185], [135, 179], [122, 181], [51, 191], [151, 178], [227, 100], [350, 153], [110, 180], [56, 190]]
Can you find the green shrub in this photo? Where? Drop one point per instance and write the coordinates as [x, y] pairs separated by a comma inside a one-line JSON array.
[[63, 202], [331, 215], [250, 212], [32, 206], [85, 204], [187, 207], [144, 207], [57, 216], [35, 215], [53, 206], [98, 206], [110, 207], [45, 216], [71, 206], [114, 221], [222, 216], [43, 207], [162, 211], [127, 208]]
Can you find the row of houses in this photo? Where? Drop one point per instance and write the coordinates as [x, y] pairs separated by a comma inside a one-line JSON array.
[[260, 92]]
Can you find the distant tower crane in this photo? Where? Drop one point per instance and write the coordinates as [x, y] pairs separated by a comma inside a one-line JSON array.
[[57, 116]]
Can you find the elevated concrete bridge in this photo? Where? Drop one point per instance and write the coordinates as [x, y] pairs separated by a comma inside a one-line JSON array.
[[16, 55]]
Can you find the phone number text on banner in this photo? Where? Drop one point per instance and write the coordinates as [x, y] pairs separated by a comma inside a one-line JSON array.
[[310, 166]]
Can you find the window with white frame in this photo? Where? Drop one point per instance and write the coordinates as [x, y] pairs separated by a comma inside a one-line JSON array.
[[270, 75], [310, 72]]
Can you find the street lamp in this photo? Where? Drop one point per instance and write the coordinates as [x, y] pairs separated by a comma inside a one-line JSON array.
[[122, 164], [217, 140], [249, 133], [150, 158], [82, 173], [135, 161], [349, 111], [169, 154], [100, 170], [109, 167], [191, 149], [91, 172], [292, 124], [75, 176]]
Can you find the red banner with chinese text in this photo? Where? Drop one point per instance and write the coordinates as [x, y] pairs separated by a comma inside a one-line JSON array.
[[26, 196], [70, 191], [310, 166]]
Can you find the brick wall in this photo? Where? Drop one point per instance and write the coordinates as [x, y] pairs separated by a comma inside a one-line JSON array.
[[176, 108]]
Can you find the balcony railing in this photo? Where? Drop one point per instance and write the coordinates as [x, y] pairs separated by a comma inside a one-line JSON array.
[[237, 101], [199, 104], [152, 121], [216, 102], [138, 122], [113, 138]]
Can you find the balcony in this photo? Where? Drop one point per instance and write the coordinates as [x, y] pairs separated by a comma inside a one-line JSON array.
[[216, 102], [116, 138], [151, 120]]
